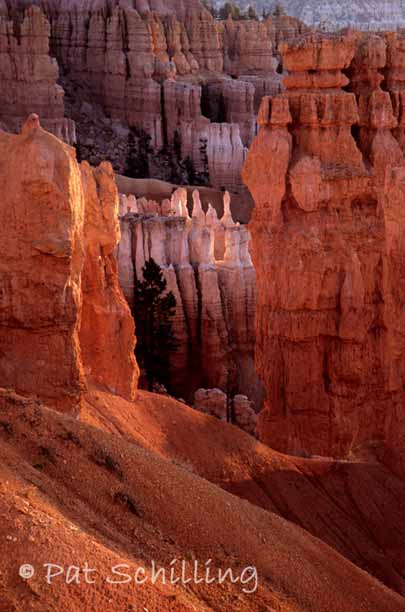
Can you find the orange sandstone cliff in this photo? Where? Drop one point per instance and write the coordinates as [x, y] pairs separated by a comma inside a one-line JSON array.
[[107, 327], [128, 482], [60, 299], [328, 177]]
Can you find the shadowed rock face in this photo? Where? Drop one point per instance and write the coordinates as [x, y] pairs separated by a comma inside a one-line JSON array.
[[28, 75], [141, 64], [328, 242], [58, 284]]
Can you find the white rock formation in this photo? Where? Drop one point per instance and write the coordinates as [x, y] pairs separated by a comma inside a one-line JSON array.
[[226, 154], [207, 265]]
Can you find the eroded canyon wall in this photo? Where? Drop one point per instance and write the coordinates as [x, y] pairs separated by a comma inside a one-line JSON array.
[[60, 299], [28, 75], [207, 265], [142, 65], [327, 174]]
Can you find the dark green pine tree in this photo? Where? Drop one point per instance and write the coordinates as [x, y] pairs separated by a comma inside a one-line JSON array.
[[138, 154], [154, 312]]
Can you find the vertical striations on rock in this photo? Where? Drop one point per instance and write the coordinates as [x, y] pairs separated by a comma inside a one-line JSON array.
[[107, 329], [144, 70], [207, 265], [28, 75], [41, 261], [327, 177]]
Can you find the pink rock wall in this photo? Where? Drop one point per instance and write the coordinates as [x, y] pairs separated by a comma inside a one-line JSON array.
[[28, 76]]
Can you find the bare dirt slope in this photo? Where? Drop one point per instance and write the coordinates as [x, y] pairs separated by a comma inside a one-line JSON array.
[[357, 507], [72, 493]]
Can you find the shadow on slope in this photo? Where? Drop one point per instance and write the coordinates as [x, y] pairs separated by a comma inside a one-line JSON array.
[[358, 508], [71, 492]]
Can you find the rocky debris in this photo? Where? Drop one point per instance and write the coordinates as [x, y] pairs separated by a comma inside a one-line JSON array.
[[100, 137], [327, 242], [237, 410], [58, 278], [207, 265]]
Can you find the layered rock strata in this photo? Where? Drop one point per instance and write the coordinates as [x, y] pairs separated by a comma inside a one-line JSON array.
[[284, 28], [28, 76], [60, 299], [248, 48], [327, 176], [144, 64], [233, 101], [138, 80], [207, 265]]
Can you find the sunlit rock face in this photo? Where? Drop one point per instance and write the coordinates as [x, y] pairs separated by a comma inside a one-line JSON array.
[[60, 299], [328, 242], [207, 264], [107, 328]]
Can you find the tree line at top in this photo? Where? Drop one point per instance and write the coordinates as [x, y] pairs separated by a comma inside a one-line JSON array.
[[229, 9]]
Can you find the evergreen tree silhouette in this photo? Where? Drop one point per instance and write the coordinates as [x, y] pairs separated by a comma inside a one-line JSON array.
[[154, 311], [138, 152]]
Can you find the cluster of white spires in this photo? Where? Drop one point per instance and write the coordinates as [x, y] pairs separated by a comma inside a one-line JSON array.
[[206, 238]]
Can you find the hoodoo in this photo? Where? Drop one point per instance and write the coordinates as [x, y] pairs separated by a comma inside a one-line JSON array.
[[217, 194], [206, 263], [328, 176], [61, 303]]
